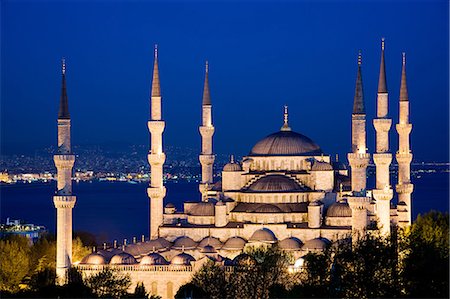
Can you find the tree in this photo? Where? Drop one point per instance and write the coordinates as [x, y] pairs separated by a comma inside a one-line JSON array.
[[211, 279], [426, 256], [14, 263], [109, 283], [79, 250]]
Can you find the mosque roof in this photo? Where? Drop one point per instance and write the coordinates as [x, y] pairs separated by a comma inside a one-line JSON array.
[[212, 241], [264, 235], [184, 242], [290, 244], [321, 166], [285, 143], [245, 207], [182, 259], [202, 209], [154, 259], [315, 244], [123, 259], [339, 209], [275, 183], [93, 259], [234, 243]]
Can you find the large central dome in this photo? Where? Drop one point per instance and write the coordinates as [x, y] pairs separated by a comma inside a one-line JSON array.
[[285, 143]]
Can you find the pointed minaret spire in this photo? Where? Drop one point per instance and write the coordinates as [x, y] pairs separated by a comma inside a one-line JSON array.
[[358, 101], [382, 86], [403, 86], [206, 96], [156, 89], [64, 102], [285, 126]]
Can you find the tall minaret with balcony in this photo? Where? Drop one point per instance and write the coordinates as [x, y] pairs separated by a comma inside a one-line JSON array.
[[404, 187], [156, 157], [358, 159], [382, 157], [206, 131], [64, 200]]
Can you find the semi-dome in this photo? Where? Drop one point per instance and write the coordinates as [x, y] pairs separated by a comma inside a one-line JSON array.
[[182, 259], [234, 243], [290, 244], [315, 244], [184, 242], [339, 209], [268, 208], [202, 209], [123, 259], [212, 241], [285, 143], [153, 259], [275, 183], [93, 259], [263, 235]]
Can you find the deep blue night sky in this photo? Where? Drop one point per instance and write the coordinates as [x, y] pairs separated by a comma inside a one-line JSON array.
[[262, 56]]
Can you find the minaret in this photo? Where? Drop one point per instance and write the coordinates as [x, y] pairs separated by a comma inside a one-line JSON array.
[[358, 158], [382, 158], [404, 156], [156, 157], [206, 157], [64, 200]]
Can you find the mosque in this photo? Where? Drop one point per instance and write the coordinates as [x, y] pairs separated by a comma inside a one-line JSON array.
[[286, 191]]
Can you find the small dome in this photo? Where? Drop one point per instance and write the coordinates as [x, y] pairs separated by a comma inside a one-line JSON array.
[[182, 259], [232, 166], [268, 208], [339, 209], [159, 244], [134, 249], [109, 253], [184, 242], [263, 235], [285, 143], [210, 241], [170, 205], [153, 259], [289, 244], [321, 166], [315, 244], [208, 249], [93, 259], [202, 209], [123, 259], [234, 243], [275, 183]]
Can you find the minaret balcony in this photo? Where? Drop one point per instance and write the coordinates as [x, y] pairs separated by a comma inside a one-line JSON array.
[[64, 161], [383, 194], [156, 159], [207, 159], [406, 188], [206, 132], [382, 124], [64, 201], [403, 158], [403, 129], [358, 160], [382, 158], [358, 203], [156, 192], [156, 126]]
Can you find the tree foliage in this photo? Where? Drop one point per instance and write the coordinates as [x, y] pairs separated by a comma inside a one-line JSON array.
[[14, 262], [109, 283]]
